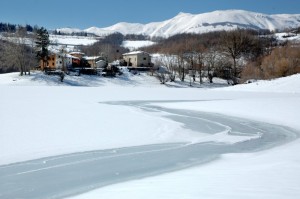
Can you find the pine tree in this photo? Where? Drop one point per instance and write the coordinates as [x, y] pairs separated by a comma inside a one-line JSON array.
[[42, 43]]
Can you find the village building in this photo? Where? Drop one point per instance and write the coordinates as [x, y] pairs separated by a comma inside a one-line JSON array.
[[137, 59], [54, 62], [71, 61], [59, 62], [77, 54], [96, 61]]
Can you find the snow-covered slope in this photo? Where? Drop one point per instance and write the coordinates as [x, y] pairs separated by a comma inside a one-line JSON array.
[[133, 45], [290, 84], [200, 23]]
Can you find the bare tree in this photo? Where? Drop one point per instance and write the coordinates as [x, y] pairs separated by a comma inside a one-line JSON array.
[[234, 44], [169, 62], [180, 65], [200, 62], [18, 52], [161, 71], [211, 58]]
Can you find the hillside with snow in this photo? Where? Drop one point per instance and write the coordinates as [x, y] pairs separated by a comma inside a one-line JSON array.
[[200, 23]]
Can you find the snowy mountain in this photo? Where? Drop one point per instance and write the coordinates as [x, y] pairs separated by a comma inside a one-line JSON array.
[[201, 23]]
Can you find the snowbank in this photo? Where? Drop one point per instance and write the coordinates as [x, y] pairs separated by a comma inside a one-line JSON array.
[[290, 84]]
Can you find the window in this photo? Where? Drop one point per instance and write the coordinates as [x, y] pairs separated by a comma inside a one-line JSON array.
[[145, 58]]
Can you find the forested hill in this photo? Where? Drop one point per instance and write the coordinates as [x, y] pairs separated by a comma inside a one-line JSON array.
[[8, 27]]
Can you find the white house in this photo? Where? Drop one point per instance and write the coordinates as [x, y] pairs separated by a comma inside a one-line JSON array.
[[96, 61], [137, 59]]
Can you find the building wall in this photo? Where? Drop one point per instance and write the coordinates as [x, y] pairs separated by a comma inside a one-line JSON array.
[[92, 63], [143, 60], [131, 59], [59, 62], [54, 62], [96, 61], [138, 60], [68, 62]]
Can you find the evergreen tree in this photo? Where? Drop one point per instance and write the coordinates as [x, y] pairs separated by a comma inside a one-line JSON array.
[[29, 28], [42, 43]]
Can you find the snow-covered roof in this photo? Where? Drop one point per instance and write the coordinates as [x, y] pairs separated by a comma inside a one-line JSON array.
[[100, 61], [91, 58], [80, 53], [135, 53]]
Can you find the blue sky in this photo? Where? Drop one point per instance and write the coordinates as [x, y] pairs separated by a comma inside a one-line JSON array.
[[101, 13]]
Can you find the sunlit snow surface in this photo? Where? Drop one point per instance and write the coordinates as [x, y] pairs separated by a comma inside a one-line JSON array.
[[41, 117]]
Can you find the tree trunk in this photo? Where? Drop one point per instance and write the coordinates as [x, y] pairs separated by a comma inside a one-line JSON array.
[[234, 71], [200, 77]]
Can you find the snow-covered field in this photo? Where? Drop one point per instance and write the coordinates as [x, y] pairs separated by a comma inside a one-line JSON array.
[[42, 117], [284, 36], [72, 40], [133, 45]]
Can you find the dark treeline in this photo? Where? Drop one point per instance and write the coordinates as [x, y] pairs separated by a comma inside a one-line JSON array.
[[134, 37], [7, 27], [109, 47], [82, 33], [6, 67], [16, 57]]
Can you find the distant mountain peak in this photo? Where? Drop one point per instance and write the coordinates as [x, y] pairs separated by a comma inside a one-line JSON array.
[[180, 14], [199, 23]]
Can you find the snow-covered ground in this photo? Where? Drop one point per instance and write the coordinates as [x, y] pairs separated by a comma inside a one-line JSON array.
[[72, 40], [42, 117], [133, 45], [69, 43], [285, 36]]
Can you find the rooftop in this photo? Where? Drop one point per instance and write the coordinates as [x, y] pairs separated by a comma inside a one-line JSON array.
[[135, 53]]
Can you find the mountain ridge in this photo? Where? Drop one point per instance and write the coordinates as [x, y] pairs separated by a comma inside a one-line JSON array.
[[200, 23]]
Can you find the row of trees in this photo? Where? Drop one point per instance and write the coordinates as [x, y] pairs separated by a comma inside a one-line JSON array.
[[83, 34], [220, 54], [21, 50], [280, 62]]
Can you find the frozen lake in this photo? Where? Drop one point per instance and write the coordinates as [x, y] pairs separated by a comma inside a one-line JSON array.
[[72, 174]]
